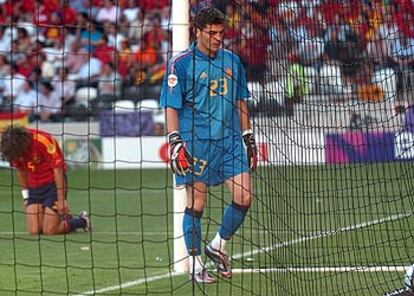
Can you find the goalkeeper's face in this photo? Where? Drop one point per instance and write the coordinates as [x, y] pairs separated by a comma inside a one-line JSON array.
[[210, 38]]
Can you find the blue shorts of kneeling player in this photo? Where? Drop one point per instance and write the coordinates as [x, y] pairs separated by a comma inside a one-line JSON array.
[[215, 161], [45, 195]]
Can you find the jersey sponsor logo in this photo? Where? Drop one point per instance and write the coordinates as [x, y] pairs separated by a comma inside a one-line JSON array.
[[229, 72], [172, 80]]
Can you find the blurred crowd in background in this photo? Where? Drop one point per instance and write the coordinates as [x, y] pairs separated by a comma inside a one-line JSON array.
[[57, 56]]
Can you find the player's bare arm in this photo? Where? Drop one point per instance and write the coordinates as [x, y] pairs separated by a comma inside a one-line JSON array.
[[171, 119], [244, 117], [60, 189], [22, 178], [247, 133]]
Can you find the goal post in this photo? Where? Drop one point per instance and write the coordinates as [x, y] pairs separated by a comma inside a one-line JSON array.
[[180, 37]]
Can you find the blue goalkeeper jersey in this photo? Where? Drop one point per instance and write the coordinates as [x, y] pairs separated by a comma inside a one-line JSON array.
[[204, 91]]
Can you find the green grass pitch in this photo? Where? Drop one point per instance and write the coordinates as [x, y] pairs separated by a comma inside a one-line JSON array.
[[318, 218]]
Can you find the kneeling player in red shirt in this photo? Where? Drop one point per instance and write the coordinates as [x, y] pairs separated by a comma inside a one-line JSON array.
[[41, 171]]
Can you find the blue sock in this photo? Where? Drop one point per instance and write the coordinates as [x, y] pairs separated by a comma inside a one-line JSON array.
[[192, 231], [76, 223], [233, 217]]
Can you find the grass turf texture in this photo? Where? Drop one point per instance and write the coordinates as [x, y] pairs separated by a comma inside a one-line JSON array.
[[314, 216]]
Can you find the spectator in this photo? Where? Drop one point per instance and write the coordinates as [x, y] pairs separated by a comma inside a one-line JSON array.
[[82, 23], [331, 82], [24, 42], [25, 65], [123, 25], [68, 39], [155, 35], [50, 103], [73, 59], [69, 13], [336, 37], [378, 51], [26, 99], [232, 15], [403, 51], [114, 37], [64, 87], [109, 82], [138, 28], [151, 5], [402, 54], [311, 49], [5, 44], [4, 66], [90, 69], [36, 78], [26, 21], [253, 52], [13, 83], [109, 12], [105, 51], [146, 55], [79, 6], [388, 29], [125, 58], [54, 29], [132, 11], [91, 37]]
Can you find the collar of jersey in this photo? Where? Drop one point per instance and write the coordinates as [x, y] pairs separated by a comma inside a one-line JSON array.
[[201, 54]]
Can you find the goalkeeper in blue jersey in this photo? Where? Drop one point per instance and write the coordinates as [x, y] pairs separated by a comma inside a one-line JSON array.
[[204, 94]]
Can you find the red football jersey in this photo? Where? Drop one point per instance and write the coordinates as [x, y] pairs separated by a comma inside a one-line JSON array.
[[41, 158]]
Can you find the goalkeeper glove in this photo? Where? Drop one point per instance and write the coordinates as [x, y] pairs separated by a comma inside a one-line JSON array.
[[180, 159], [251, 149]]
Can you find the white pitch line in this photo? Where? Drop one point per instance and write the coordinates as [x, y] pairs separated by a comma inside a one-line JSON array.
[[131, 284], [324, 269], [278, 246], [325, 234]]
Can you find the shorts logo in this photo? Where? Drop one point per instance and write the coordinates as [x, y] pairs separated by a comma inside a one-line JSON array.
[[172, 80]]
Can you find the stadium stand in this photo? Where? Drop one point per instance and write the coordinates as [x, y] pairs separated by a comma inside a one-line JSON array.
[[296, 52]]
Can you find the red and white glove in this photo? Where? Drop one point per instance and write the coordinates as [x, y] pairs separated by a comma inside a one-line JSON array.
[[251, 149], [180, 159]]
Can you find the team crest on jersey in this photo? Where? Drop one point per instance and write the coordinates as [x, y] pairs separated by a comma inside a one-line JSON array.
[[203, 75], [172, 80], [51, 148], [229, 72]]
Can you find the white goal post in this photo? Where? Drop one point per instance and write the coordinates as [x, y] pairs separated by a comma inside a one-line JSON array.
[[180, 41]]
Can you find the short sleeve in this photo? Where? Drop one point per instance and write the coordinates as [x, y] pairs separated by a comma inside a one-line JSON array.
[[242, 90], [173, 86]]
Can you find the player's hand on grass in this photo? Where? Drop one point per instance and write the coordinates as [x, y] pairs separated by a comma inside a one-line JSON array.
[[180, 158], [61, 207], [251, 149]]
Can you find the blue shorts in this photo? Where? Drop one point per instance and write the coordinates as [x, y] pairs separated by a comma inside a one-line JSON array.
[[215, 161], [45, 195]]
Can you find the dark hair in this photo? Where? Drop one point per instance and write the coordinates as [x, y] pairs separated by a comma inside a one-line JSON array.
[[15, 140], [48, 85], [208, 15]]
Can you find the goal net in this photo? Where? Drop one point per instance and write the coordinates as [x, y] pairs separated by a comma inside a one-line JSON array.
[[331, 109]]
